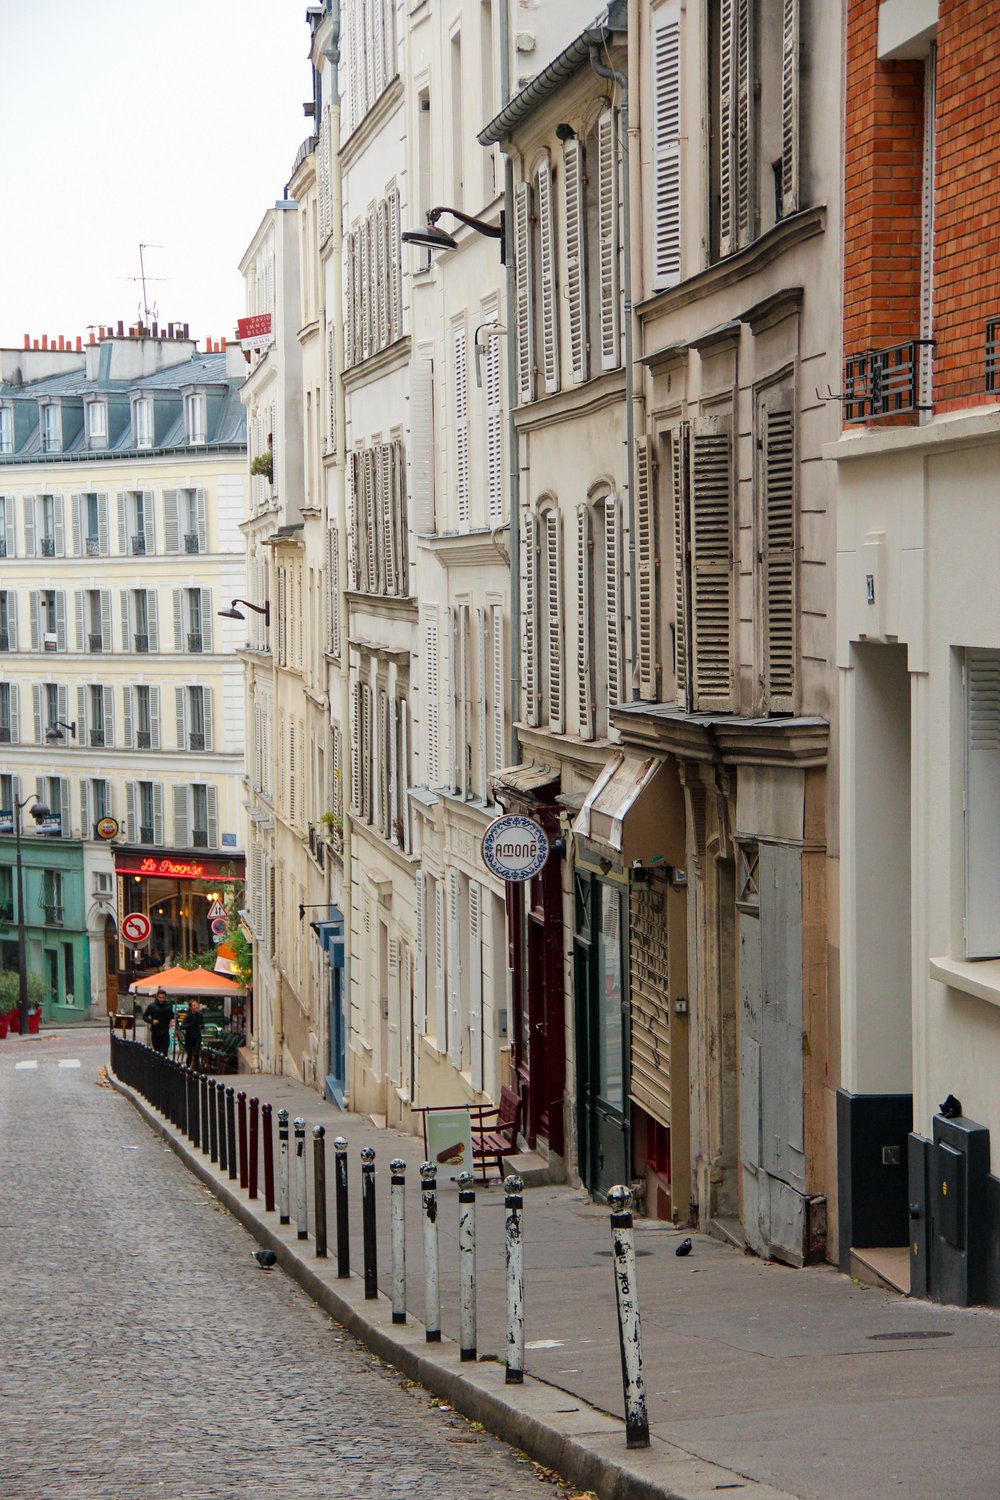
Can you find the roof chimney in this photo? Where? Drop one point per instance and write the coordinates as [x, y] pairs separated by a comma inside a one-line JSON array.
[[27, 340], [121, 329], [45, 341], [222, 346], [79, 344]]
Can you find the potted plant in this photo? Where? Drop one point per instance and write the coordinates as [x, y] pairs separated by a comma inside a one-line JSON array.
[[264, 464], [10, 1001], [334, 825]]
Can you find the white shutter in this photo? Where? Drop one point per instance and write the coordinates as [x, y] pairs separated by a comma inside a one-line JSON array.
[[778, 581], [455, 975], [613, 597], [206, 620], [529, 616], [171, 522], [524, 292], [12, 608], [212, 815], [208, 716], [36, 619], [666, 217], [395, 263], [178, 601], [646, 562], [15, 713], [108, 699], [350, 310], [432, 704], [420, 970], [126, 717], [547, 265], [149, 522], [76, 505], [482, 680], [576, 255], [381, 257], [293, 780], [982, 804], [400, 530], [475, 984], [123, 546], [680, 489], [180, 715], [152, 619], [36, 699], [790, 108], [126, 603], [356, 797], [744, 125], [494, 421], [440, 987], [371, 520], [553, 619], [711, 563], [608, 238], [395, 789], [154, 718], [86, 830], [182, 817], [29, 526], [367, 286], [403, 771], [58, 533], [10, 527], [102, 525], [132, 819], [157, 812], [498, 690], [461, 419], [422, 443], [106, 637], [584, 626], [727, 127], [60, 619]]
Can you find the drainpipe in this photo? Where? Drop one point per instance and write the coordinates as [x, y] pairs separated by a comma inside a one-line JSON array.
[[513, 450], [603, 71]]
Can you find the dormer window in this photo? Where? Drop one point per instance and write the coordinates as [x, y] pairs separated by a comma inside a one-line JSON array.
[[97, 424], [143, 424], [194, 417], [51, 429], [6, 430]]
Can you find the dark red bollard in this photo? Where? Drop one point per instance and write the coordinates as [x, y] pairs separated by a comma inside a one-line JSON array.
[[268, 1141], [254, 1147], [241, 1101]]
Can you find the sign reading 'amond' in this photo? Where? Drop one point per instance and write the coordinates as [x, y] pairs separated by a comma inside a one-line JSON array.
[[515, 847]]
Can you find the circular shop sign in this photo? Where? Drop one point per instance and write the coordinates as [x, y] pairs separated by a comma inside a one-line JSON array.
[[136, 928], [107, 828], [515, 847]]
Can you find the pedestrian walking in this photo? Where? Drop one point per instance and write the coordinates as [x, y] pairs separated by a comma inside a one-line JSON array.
[[191, 1028], [159, 1013]]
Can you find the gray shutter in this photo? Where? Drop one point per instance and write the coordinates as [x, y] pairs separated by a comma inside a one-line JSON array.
[[745, 164], [727, 127], [126, 598], [420, 970], [81, 713], [79, 612], [123, 546], [711, 563], [666, 58], [149, 521], [127, 717], [208, 715], [182, 817], [36, 620], [65, 807], [529, 616], [547, 266], [201, 517], [76, 505], [131, 824], [62, 703], [10, 527], [455, 976], [178, 598], [613, 597], [576, 255], [680, 486], [157, 812], [12, 608], [36, 699], [153, 619], [15, 713], [154, 718], [524, 300], [554, 619], [206, 620], [982, 804], [608, 293], [790, 108], [212, 815], [102, 525], [180, 712], [421, 444], [778, 582], [58, 526], [109, 716], [86, 830], [645, 562], [61, 619], [29, 526], [107, 641], [171, 522]]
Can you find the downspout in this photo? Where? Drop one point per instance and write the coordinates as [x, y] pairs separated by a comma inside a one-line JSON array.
[[513, 450], [603, 71]]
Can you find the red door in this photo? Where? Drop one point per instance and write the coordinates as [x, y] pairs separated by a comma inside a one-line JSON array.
[[535, 935]]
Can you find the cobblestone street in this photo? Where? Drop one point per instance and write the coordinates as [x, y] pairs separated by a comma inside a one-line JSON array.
[[145, 1353]]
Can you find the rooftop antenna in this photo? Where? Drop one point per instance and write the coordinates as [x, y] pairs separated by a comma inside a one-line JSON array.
[[146, 312]]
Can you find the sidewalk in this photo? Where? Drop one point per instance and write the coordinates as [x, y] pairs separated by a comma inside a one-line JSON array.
[[798, 1380]]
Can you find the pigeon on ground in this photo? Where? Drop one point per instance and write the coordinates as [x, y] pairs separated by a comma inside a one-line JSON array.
[[684, 1248], [265, 1259]]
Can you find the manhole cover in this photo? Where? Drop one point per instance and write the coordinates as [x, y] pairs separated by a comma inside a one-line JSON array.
[[638, 1252], [915, 1333]]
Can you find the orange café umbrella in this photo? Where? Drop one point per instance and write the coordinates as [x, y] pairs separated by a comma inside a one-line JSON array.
[[187, 982]]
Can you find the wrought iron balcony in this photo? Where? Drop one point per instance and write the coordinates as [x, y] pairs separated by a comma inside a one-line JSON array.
[[195, 641], [146, 834], [992, 364], [138, 546], [3, 546], [95, 642], [93, 546], [197, 740], [97, 739], [143, 739], [191, 541], [4, 641], [141, 642], [884, 382], [53, 916], [48, 545], [6, 734], [199, 838]]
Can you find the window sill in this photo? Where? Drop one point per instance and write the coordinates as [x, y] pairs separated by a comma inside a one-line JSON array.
[[981, 978]]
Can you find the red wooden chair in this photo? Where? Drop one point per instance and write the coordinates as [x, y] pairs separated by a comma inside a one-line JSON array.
[[494, 1132]]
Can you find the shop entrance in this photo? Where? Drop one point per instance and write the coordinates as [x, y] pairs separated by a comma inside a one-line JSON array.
[[600, 953], [110, 966]]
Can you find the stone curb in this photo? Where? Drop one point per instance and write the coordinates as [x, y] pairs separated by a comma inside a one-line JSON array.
[[557, 1429]]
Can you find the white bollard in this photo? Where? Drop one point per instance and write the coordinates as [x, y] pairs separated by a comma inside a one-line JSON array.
[[467, 1264], [284, 1203], [629, 1331], [514, 1205], [432, 1279], [301, 1208], [397, 1205]]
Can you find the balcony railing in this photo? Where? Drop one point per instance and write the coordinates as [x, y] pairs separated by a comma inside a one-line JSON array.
[[93, 546], [4, 641], [197, 739], [48, 545], [3, 546], [6, 734], [138, 546], [884, 382], [6, 911], [992, 363], [195, 641], [191, 541], [146, 834], [143, 739], [97, 739], [95, 642], [53, 916], [199, 838], [141, 642]]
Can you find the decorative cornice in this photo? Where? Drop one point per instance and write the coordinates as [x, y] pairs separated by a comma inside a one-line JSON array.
[[362, 134], [386, 606], [466, 549], [725, 739], [572, 403], [392, 358], [585, 756], [773, 310]]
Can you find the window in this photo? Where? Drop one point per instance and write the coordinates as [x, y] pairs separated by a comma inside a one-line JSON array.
[[701, 468], [666, 185], [51, 428], [599, 647], [524, 290], [195, 423], [140, 621], [90, 525], [136, 531], [9, 722], [460, 410], [142, 415], [48, 620], [53, 793], [96, 716], [52, 897], [194, 718], [493, 385], [69, 994], [8, 620], [552, 618], [145, 812], [373, 273], [776, 531], [982, 803], [575, 219], [93, 621], [43, 526], [6, 873], [185, 520], [548, 300], [8, 535], [6, 430], [193, 620], [50, 704], [487, 96], [97, 424], [458, 116], [377, 503], [9, 794], [203, 816], [371, 56], [95, 804]]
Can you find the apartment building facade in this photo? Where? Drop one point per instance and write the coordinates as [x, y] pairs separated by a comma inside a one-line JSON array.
[[121, 490], [918, 649]]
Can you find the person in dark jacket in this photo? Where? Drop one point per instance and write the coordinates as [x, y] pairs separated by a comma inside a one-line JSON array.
[[159, 1013], [191, 1028]]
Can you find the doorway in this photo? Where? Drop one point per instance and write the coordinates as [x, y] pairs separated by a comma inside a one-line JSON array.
[[600, 959], [110, 966]]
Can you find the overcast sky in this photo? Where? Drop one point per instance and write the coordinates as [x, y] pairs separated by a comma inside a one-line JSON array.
[[173, 122]]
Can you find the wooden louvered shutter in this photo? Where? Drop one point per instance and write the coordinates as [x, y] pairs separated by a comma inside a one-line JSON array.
[[609, 295], [157, 812], [727, 127], [420, 967], [440, 987], [474, 984], [154, 717], [679, 484], [584, 630], [482, 692], [356, 795], [132, 820], [422, 443], [646, 563], [576, 255], [182, 816], [82, 716], [494, 421], [127, 718], [778, 580], [171, 521], [380, 255], [529, 616], [666, 54], [982, 804], [61, 619], [613, 597], [126, 604], [395, 270], [76, 506], [432, 706], [461, 419], [30, 541], [455, 975], [350, 311], [553, 620], [790, 108], [745, 204], [524, 292], [106, 641], [108, 705], [498, 692], [549, 288], [711, 535]]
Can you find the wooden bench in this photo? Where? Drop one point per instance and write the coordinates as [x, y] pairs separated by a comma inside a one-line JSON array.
[[494, 1131]]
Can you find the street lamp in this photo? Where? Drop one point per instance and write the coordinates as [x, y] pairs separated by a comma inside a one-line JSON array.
[[39, 812], [55, 730], [433, 238], [232, 613]]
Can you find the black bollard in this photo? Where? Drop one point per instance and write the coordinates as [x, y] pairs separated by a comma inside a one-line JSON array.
[[267, 1136], [340, 1188], [241, 1100], [368, 1222], [319, 1187], [254, 1147], [212, 1111], [231, 1132]]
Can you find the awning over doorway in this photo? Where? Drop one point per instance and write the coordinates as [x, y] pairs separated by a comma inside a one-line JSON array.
[[635, 810]]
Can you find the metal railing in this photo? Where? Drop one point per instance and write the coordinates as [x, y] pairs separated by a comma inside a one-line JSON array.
[[6, 734], [197, 739], [195, 640], [4, 641], [138, 546], [199, 838], [146, 834], [191, 542], [93, 546], [95, 642], [48, 546], [53, 915], [141, 643], [3, 546], [991, 370], [884, 382], [97, 739]]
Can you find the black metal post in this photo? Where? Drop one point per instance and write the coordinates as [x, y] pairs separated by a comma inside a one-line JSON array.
[[319, 1187], [212, 1114], [340, 1188], [254, 1147], [231, 1131], [241, 1100], [268, 1141], [220, 1108], [368, 1222]]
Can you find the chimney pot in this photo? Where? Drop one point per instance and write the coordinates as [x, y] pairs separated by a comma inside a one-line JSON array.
[[27, 340], [187, 333], [79, 343], [222, 346], [36, 343], [121, 329], [45, 341]]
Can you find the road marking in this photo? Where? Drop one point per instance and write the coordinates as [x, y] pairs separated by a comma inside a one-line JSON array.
[[25, 1065], [69, 1062]]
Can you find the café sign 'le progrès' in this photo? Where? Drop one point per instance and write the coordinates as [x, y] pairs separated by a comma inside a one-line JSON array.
[[515, 847]]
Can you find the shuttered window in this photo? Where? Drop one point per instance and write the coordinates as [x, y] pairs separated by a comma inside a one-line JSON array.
[[420, 967], [666, 217], [548, 298], [982, 804], [790, 107], [649, 995], [552, 634], [711, 534], [529, 616], [613, 597], [575, 216], [646, 564], [432, 699], [608, 214], [498, 689], [584, 627], [680, 487], [524, 291], [422, 443], [736, 126], [494, 418], [777, 581], [460, 412]]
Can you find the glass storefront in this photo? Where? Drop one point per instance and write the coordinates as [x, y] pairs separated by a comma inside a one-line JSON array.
[[177, 895]]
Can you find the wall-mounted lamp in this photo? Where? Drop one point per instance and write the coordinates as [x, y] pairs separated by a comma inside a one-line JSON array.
[[433, 238], [232, 613], [55, 730], [483, 332]]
